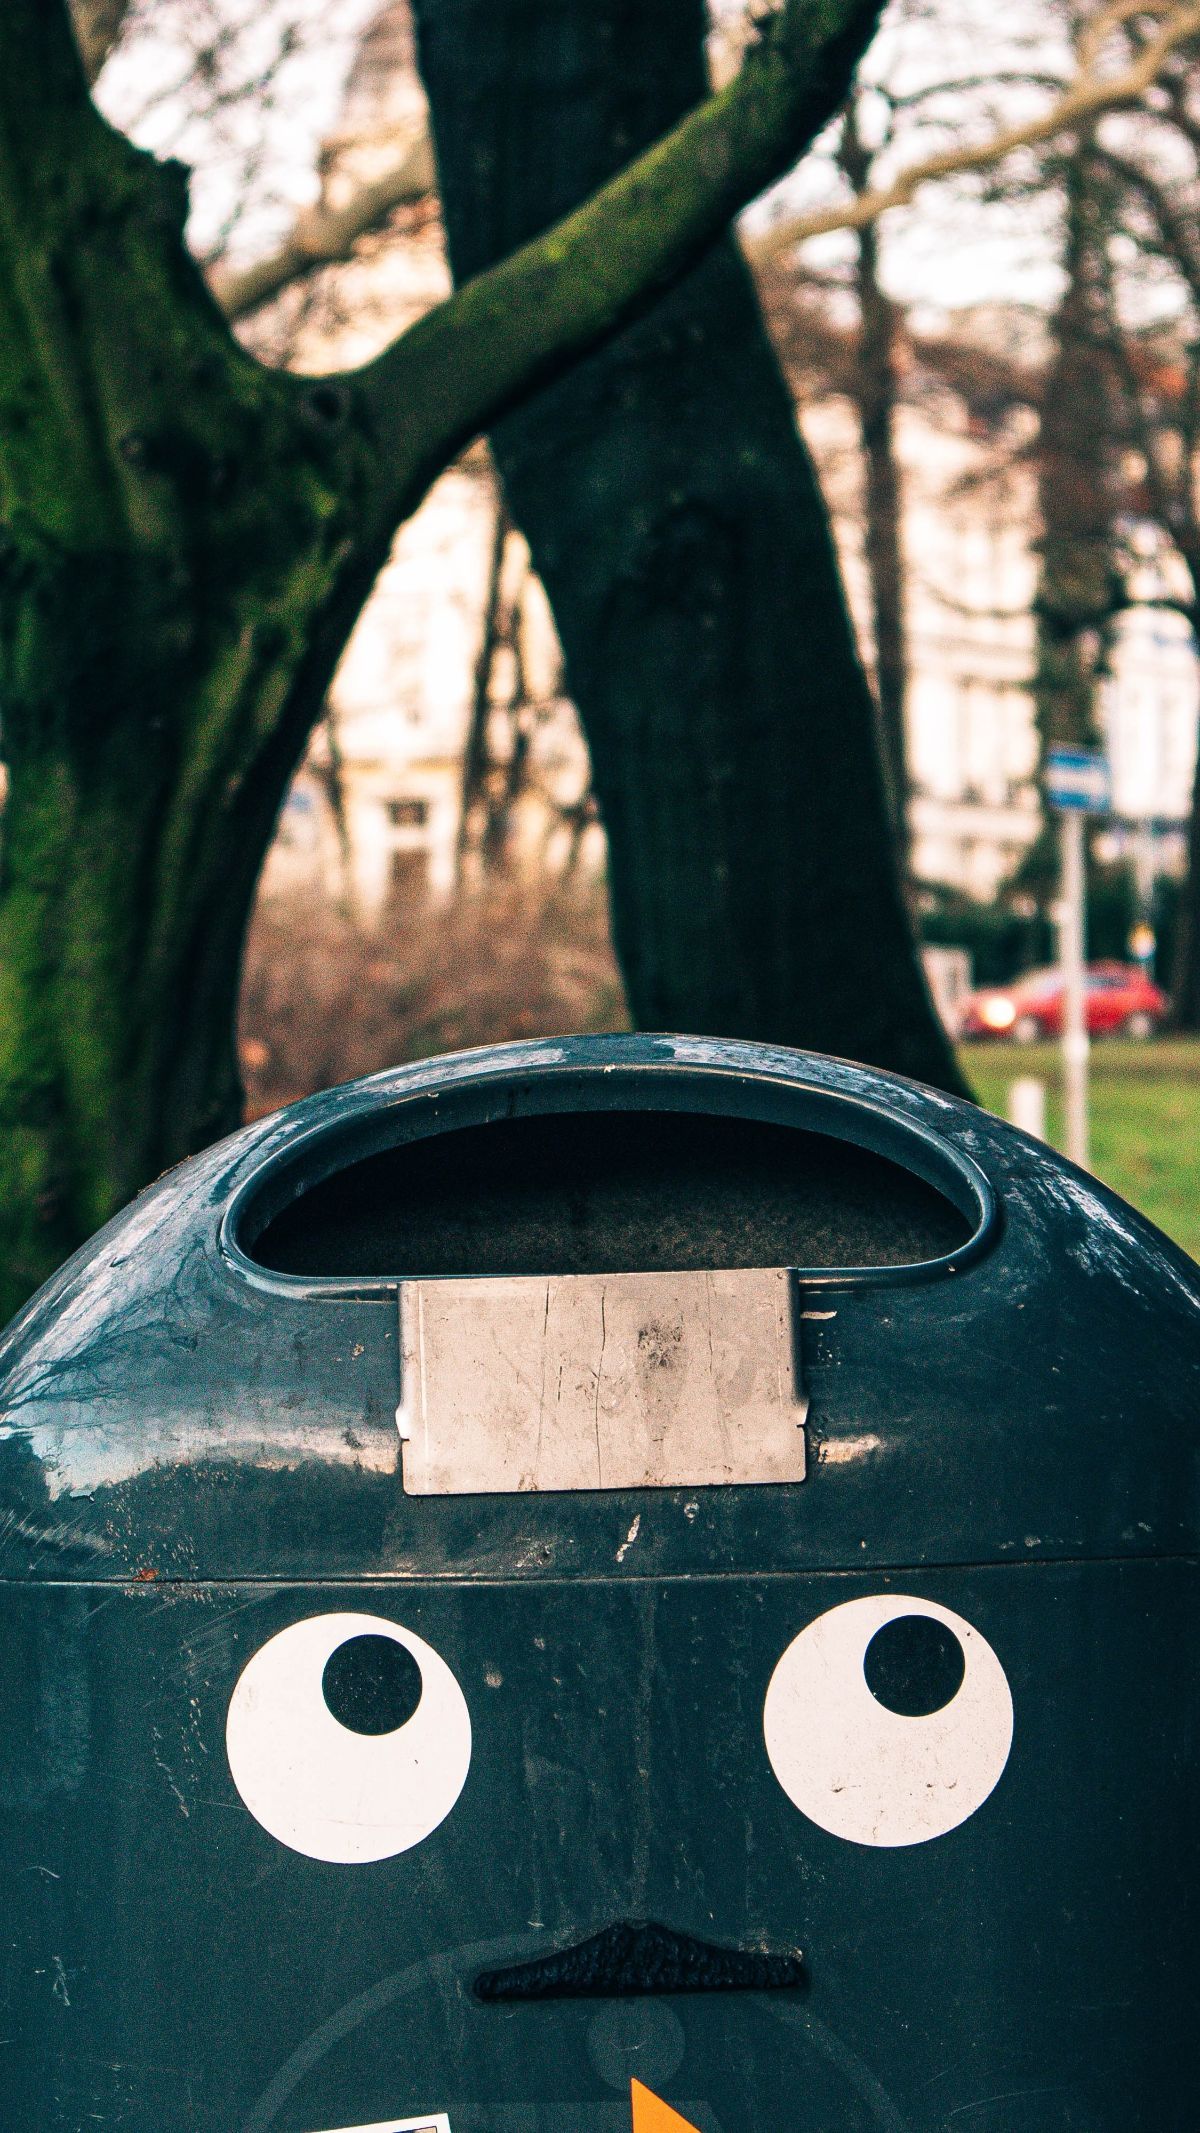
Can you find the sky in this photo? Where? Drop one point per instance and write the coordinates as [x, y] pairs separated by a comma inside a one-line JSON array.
[[948, 250], [252, 137], [252, 134]]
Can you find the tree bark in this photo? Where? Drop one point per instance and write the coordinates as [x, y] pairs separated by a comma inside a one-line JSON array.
[[673, 514], [164, 645], [186, 540]]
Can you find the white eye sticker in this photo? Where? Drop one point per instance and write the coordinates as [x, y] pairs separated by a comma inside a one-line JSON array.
[[348, 1738], [888, 1720]]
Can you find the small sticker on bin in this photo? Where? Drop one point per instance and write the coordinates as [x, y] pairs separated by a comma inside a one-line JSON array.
[[438, 2123]]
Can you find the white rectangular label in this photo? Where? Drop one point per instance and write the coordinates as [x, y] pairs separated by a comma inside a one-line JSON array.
[[599, 1381]]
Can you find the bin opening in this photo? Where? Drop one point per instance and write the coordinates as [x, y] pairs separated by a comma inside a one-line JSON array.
[[601, 1192]]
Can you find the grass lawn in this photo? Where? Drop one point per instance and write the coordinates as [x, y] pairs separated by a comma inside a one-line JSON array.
[[1145, 1118]]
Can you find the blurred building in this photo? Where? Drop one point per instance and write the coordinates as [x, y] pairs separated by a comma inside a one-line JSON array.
[[969, 534], [1150, 721], [377, 806], [970, 574], [379, 799]]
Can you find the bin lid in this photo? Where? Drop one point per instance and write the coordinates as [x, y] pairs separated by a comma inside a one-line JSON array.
[[805, 1316]]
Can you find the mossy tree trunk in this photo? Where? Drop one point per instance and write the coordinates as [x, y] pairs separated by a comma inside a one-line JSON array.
[[186, 540], [160, 606], [674, 516]]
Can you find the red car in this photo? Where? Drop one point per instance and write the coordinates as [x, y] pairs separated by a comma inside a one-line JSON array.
[[1120, 998]]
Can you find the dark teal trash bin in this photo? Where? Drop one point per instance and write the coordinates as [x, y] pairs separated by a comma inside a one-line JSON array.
[[602, 1571]]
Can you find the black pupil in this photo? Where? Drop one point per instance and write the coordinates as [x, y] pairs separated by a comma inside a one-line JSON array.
[[914, 1665], [371, 1684]]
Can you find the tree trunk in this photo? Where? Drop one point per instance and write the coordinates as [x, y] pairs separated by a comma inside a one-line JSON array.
[[673, 514], [1079, 588], [186, 540], [477, 760], [874, 385], [165, 635], [1185, 974], [130, 859]]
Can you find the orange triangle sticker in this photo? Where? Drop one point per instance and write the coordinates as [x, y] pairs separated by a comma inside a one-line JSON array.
[[652, 2115]]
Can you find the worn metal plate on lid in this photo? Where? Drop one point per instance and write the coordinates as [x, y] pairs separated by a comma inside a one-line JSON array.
[[599, 1381]]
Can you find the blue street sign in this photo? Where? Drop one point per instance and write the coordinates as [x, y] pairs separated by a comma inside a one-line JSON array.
[[1078, 781]]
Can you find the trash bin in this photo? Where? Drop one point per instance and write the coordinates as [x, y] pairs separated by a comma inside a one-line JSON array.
[[624, 1582]]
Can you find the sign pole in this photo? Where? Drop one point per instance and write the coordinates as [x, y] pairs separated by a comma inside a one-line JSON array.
[[1072, 956], [1078, 783]]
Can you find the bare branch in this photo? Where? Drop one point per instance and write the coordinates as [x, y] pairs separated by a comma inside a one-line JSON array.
[[1177, 112], [324, 235], [1176, 225], [1163, 492], [970, 609], [970, 84], [98, 26], [1086, 100], [1163, 604]]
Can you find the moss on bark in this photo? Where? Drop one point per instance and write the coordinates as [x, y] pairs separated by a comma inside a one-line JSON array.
[[186, 540]]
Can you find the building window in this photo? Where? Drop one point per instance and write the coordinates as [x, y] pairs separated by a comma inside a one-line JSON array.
[[407, 813]]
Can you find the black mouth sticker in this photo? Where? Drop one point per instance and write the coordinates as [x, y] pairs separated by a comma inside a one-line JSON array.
[[639, 1957]]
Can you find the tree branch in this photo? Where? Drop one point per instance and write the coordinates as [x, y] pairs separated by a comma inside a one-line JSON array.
[[1086, 100], [1163, 604], [1176, 227], [323, 236], [967, 84], [98, 26], [1169, 505], [1177, 83], [467, 361], [968, 608]]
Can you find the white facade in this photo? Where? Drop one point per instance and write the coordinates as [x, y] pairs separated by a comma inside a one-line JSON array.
[[399, 713], [402, 697], [1150, 717], [970, 582], [403, 693]]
